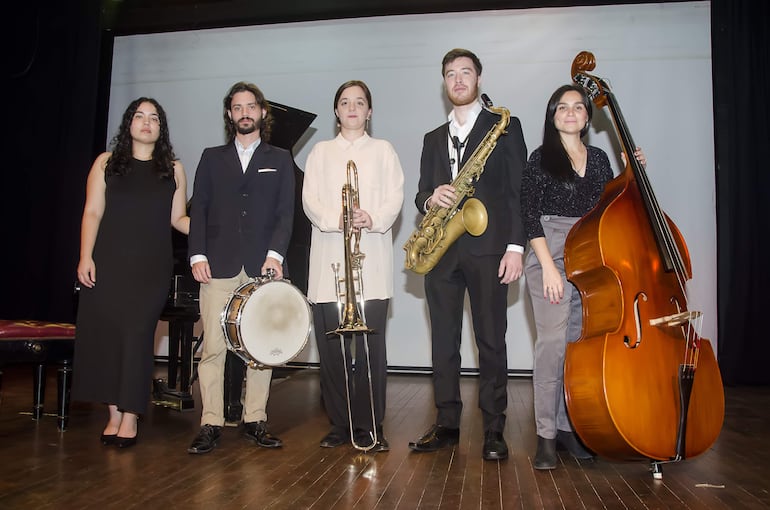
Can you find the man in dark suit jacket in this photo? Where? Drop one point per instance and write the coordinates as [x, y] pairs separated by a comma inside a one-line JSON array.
[[483, 265], [240, 224]]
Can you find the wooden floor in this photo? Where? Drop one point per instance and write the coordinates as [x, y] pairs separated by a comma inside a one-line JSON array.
[[41, 468]]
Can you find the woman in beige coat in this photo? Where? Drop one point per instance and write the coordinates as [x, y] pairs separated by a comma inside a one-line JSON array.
[[380, 196]]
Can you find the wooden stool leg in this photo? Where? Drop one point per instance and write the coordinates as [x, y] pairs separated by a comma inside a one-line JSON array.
[[38, 398], [64, 380]]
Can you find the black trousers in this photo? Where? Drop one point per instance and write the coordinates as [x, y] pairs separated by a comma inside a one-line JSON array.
[[445, 288], [332, 367]]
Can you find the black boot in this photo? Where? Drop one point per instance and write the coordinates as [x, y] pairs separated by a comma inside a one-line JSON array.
[[545, 457], [570, 441]]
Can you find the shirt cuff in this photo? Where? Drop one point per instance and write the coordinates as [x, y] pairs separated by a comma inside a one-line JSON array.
[[275, 255], [198, 258], [515, 247]]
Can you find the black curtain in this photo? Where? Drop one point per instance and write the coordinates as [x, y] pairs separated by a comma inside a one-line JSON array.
[[51, 70], [741, 63]]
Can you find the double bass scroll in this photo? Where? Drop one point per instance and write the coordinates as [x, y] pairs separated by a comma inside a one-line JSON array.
[[640, 383]]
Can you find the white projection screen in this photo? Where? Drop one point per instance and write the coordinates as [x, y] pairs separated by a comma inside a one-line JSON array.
[[656, 58]]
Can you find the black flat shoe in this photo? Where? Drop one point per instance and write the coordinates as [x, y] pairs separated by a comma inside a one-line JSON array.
[[436, 438], [545, 457], [125, 442], [108, 439], [257, 431], [333, 440], [495, 447], [570, 441]]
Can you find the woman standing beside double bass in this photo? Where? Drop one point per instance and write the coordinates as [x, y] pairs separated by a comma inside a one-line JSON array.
[[563, 180]]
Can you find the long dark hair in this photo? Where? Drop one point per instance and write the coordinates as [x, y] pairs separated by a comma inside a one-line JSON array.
[[267, 123], [122, 144], [554, 158]]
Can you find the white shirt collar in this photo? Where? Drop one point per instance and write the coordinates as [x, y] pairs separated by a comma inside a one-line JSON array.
[[250, 148], [245, 153], [346, 144], [459, 131]]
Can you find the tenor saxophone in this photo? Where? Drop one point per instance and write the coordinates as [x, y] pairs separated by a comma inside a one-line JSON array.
[[441, 226]]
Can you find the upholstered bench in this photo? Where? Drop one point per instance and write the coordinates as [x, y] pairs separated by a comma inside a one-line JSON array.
[[41, 343]]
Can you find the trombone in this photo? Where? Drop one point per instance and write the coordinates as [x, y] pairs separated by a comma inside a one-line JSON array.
[[350, 297]]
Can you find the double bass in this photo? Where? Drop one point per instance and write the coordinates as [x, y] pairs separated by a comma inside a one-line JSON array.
[[640, 383]]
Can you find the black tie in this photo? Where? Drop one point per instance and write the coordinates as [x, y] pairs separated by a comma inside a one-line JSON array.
[[458, 145]]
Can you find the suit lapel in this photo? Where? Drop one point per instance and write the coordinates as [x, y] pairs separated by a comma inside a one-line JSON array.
[[444, 153], [232, 163]]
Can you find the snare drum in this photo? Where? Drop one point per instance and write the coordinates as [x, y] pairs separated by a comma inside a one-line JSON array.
[[266, 322]]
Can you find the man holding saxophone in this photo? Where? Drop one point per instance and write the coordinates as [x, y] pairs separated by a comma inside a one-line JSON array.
[[357, 233], [483, 264]]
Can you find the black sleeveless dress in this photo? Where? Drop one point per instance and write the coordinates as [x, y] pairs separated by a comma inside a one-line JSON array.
[[117, 318]]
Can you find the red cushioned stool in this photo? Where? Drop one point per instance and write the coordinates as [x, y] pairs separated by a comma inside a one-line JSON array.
[[41, 343]]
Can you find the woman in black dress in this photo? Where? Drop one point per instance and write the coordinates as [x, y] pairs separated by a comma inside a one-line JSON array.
[[132, 195]]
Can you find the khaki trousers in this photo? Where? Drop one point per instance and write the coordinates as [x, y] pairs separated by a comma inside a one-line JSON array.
[[213, 299]]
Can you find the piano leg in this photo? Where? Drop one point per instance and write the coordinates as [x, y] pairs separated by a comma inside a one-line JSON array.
[[174, 336], [188, 346], [180, 337], [235, 371]]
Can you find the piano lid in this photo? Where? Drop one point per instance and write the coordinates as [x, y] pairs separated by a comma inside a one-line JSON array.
[[289, 124]]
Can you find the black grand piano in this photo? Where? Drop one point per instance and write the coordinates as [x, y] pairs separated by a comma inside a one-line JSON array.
[[181, 310]]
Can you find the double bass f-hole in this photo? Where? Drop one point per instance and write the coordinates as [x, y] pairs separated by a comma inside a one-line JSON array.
[[638, 321]]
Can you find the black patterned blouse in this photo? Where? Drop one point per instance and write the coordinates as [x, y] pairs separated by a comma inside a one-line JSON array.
[[544, 195]]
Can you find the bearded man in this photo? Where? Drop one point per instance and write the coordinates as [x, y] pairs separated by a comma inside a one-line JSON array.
[[483, 266], [241, 218]]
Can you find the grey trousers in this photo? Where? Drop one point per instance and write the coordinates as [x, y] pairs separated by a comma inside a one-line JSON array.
[[556, 324]]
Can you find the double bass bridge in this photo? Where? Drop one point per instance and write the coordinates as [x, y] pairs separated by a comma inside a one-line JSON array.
[[676, 319]]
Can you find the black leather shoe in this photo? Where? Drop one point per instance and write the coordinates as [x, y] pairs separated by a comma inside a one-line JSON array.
[[570, 441], [364, 439], [333, 440], [108, 439], [436, 438], [494, 446], [206, 439], [257, 431], [545, 457]]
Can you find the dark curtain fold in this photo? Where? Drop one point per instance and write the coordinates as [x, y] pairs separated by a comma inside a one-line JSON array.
[[50, 124], [741, 60]]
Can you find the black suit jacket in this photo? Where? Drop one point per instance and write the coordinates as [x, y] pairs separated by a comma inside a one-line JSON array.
[[236, 216], [499, 186]]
